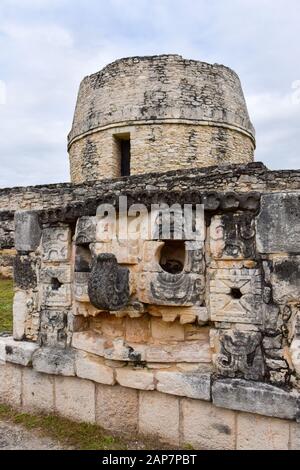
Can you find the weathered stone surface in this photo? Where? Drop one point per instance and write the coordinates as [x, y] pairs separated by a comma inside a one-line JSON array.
[[27, 231], [85, 230], [125, 251], [240, 355], [55, 361], [37, 391], [117, 408], [159, 416], [75, 398], [256, 432], [193, 351], [81, 280], [25, 268], [19, 314], [295, 354], [108, 286], [235, 295], [56, 243], [89, 342], [207, 427], [278, 224], [189, 384], [120, 350], [89, 366], [195, 313], [170, 289], [10, 384], [135, 378], [256, 397], [295, 436], [55, 294], [137, 329], [62, 273], [232, 235], [151, 254], [285, 279], [18, 352], [162, 331], [53, 328]]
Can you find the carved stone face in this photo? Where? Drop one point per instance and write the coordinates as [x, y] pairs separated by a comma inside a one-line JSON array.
[[232, 235]]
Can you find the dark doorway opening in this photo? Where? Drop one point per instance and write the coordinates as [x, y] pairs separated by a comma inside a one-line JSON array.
[[125, 157], [123, 141]]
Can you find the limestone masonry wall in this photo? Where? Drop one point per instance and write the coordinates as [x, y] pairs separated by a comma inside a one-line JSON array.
[[253, 176], [190, 334], [179, 113]]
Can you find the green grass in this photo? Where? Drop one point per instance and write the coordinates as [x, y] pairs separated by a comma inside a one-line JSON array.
[[80, 436], [6, 301]]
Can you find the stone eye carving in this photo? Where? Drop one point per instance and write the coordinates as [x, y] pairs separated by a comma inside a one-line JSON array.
[[108, 286]]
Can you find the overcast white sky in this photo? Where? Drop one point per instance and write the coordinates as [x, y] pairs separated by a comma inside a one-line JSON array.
[[48, 46]]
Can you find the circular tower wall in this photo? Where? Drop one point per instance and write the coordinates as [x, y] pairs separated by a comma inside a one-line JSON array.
[[159, 113]]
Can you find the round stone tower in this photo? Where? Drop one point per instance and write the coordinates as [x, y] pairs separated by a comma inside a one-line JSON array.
[[158, 113]]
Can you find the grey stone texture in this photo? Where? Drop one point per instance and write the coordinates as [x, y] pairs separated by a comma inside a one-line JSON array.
[[256, 397], [55, 361], [27, 231], [278, 224], [154, 99]]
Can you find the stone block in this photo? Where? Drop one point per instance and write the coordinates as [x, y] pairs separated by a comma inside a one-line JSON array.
[[117, 409], [232, 358], [256, 432], [19, 314], [120, 350], [195, 313], [206, 427], [285, 279], [55, 295], [111, 326], [27, 231], [18, 352], [159, 416], [37, 391], [295, 436], [137, 329], [255, 397], [53, 328], [278, 223], [75, 398], [63, 274], [235, 295], [189, 384], [151, 254], [55, 361], [25, 272], [56, 243], [89, 366], [164, 288], [295, 354], [85, 230], [10, 384], [126, 251], [193, 351], [232, 236], [162, 331], [135, 378], [81, 286]]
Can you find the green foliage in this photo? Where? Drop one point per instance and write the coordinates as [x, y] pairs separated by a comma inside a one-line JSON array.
[[6, 300]]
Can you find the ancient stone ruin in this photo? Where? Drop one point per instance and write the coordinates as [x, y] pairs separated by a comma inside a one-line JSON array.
[[191, 336]]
